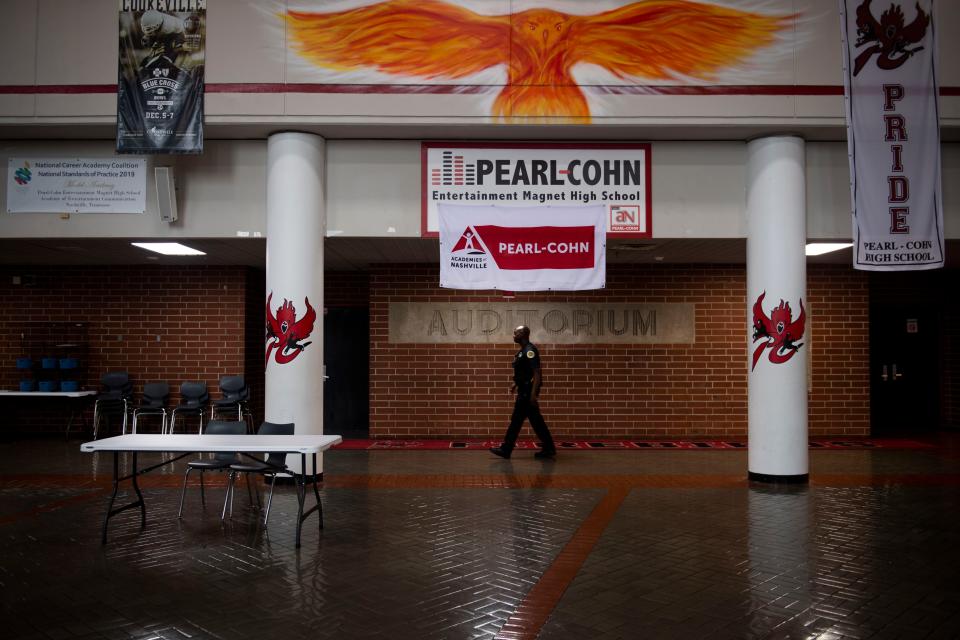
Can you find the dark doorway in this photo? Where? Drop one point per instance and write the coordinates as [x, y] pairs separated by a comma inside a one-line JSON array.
[[904, 369], [346, 348]]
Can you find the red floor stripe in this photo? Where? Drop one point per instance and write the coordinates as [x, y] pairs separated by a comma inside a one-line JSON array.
[[730, 444], [533, 611]]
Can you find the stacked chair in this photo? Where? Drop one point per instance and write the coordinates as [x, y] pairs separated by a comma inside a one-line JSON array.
[[194, 400], [114, 399], [156, 395], [235, 399]]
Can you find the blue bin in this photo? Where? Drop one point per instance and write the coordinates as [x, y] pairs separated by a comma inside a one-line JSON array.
[[69, 363], [48, 363], [48, 385], [69, 385], [27, 385], [24, 363]]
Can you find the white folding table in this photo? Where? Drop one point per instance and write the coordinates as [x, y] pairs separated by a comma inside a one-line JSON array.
[[74, 397], [247, 445]]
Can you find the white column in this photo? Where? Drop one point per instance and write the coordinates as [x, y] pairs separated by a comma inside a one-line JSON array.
[[776, 269], [296, 224]]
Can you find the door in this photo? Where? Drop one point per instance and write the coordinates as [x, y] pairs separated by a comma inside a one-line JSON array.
[[346, 349], [904, 375]]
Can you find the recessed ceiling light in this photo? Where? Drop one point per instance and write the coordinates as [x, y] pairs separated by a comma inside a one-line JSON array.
[[820, 248], [169, 248]]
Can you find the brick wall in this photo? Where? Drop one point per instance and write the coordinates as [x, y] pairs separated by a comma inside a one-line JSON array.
[[617, 391], [838, 335], [346, 289], [158, 323], [255, 297], [609, 391]]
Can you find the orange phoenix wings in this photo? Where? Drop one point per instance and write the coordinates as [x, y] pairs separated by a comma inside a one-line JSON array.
[[430, 39]]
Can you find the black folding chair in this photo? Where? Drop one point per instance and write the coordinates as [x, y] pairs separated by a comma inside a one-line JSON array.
[[275, 464], [219, 461], [113, 399], [193, 402], [156, 395], [235, 398]]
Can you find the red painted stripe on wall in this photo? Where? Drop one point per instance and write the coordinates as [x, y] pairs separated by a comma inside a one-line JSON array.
[[279, 87], [236, 87]]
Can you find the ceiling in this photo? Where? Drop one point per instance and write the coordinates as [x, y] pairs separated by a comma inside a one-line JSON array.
[[359, 254]]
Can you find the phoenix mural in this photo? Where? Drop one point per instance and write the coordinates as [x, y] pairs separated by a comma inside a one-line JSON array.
[[431, 39]]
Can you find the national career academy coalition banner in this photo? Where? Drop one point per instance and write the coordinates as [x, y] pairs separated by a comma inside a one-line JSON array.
[[76, 185], [160, 89], [522, 248], [893, 134]]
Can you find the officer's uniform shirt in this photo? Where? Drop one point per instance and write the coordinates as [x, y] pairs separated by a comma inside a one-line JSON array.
[[525, 362]]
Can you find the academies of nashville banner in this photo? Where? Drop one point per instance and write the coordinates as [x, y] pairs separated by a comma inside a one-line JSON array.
[[160, 86], [893, 134], [522, 248]]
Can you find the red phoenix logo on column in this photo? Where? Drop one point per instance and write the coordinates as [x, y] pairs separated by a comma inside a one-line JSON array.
[[285, 333], [779, 332]]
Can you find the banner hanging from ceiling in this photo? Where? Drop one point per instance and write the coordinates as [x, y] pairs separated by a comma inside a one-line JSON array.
[[161, 76], [893, 134], [522, 248]]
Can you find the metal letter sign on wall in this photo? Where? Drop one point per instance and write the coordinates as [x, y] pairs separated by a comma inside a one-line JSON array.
[[160, 86], [561, 323], [615, 176]]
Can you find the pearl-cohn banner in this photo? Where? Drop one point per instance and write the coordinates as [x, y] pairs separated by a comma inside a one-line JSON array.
[[522, 248], [893, 134]]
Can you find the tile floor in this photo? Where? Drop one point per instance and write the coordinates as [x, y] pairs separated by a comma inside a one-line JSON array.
[[459, 544]]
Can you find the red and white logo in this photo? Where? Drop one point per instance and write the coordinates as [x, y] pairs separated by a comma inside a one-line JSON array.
[[469, 243], [552, 248], [625, 218], [524, 248]]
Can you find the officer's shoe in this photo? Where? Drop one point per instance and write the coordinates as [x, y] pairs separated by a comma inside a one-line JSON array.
[[545, 454], [497, 451]]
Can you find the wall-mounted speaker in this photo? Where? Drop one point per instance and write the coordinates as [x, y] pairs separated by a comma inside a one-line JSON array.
[[166, 193]]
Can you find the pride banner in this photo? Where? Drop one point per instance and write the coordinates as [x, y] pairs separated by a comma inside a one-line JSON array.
[[893, 134]]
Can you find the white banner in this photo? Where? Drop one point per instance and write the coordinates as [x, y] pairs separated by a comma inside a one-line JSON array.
[[613, 175], [522, 248], [893, 134], [76, 185]]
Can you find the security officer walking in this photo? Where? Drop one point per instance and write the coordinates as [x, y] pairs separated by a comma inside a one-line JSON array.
[[527, 381]]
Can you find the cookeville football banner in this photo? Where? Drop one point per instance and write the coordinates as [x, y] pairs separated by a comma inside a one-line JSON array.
[[160, 87], [893, 134], [522, 248]]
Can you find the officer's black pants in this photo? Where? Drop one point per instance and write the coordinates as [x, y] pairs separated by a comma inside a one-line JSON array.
[[523, 409]]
